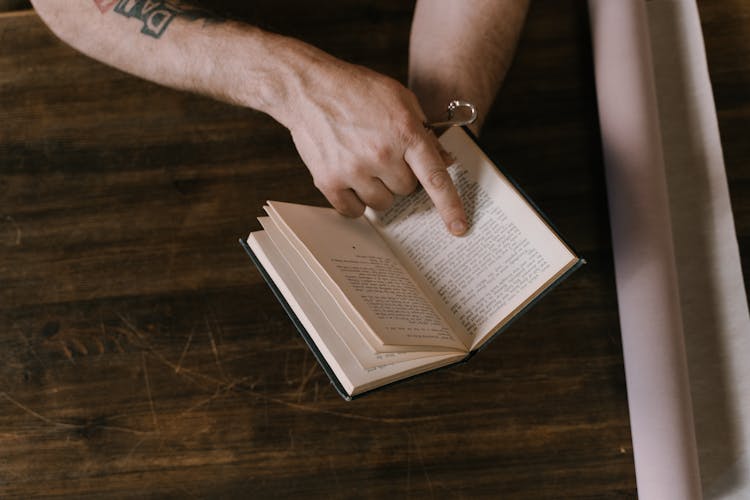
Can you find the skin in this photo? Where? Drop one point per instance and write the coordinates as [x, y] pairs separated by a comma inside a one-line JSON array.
[[462, 50], [359, 152]]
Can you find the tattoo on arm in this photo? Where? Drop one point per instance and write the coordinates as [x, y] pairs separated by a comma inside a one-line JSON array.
[[156, 15]]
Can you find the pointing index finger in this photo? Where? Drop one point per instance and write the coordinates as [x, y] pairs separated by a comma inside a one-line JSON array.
[[427, 164]]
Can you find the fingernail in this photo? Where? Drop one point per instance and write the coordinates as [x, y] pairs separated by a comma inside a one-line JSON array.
[[458, 227]]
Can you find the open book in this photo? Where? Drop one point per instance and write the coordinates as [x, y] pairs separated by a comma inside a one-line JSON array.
[[392, 294]]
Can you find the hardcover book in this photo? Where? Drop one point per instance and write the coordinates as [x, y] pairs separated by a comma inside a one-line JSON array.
[[392, 294]]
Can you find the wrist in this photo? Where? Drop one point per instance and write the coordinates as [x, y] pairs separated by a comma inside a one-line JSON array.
[[241, 68], [285, 74]]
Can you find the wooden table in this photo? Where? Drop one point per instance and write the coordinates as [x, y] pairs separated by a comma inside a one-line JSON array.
[[142, 354]]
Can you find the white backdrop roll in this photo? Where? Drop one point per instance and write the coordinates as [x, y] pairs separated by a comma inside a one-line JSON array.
[[683, 309]]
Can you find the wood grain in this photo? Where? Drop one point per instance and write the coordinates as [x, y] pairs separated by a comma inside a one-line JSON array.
[[142, 355], [726, 29]]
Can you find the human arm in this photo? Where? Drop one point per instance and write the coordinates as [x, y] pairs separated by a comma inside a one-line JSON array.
[[358, 150], [462, 50]]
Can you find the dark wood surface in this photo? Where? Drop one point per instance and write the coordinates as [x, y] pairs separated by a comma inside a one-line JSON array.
[[141, 354], [726, 31]]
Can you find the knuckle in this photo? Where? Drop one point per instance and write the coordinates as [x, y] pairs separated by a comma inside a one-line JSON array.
[[438, 178], [384, 154], [352, 211], [337, 199], [409, 128], [338, 203], [325, 184], [383, 202], [357, 170], [345, 203], [411, 184], [411, 132], [405, 183]]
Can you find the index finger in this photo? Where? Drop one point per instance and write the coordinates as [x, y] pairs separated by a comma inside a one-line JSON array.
[[427, 164]]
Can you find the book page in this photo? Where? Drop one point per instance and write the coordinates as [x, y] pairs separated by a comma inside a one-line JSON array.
[[484, 277], [353, 377], [362, 272], [326, 303]]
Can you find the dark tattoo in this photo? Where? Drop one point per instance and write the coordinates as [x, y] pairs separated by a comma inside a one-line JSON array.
[[155, 14]]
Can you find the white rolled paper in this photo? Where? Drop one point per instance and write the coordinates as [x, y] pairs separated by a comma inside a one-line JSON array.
[[661, 421], [683, 310]]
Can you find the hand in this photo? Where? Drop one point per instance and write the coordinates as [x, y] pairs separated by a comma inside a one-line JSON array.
[[362, 136]]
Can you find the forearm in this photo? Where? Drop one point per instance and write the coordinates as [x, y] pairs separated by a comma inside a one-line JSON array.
[[462, 50], [187, 49], [359, 152]]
